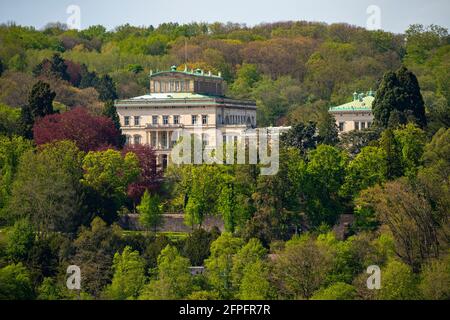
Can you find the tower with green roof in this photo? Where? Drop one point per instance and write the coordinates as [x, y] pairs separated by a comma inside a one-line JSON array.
[[186, 99]]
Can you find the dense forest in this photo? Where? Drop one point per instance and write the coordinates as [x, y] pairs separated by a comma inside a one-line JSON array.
[[66, 176]]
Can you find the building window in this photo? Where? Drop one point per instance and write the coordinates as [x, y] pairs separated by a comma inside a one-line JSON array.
[[356, 125], [204, 119], [127, 139], [205, 139], [137, 120], [165, 119], [219, 118], [154, 120], [164, 140], [126, 120], [369, 124], [177, 86], [153, 138], [176, 119], [341, 126], [363, 125], [194, 119], [137, 139]]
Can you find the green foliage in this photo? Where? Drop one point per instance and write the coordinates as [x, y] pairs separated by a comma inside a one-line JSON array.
[[220, 264], [20, 241], [11, 150], [108, 173], [398, 282], [129, 276], [412, 141], [40, 104], [255, 284], [326, 173], [336, 291], [150, 211], [15, 283], [392, 150], [94, 249], [9, 120], [398, 100], [296, 280], [197, 245], [173, 278], [249, 254], [48, 290], [46, 189], [367, 169], [435, 279]]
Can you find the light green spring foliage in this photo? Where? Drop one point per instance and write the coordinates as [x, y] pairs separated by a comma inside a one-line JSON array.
[[173, 279], [255, 283], [219, 265], [20, 240], [412, 141], [202, 193], [9, 120], [398, 282], [367, 169], [336, 291], [250, 253], [11, 149], [109, 173], [150, 211], [129, 275]]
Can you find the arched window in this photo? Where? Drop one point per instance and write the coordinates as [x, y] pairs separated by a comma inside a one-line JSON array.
[[128, 139]]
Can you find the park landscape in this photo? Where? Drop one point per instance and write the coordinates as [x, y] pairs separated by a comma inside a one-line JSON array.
[[68, 177]]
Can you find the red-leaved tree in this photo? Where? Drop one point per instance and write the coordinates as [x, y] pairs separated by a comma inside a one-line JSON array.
[[150, 176], [88, 131]]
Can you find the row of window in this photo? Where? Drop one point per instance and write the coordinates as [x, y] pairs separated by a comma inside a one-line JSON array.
[[236, 119], [171, 86], [137, 139], [358, 125], [165, 119]]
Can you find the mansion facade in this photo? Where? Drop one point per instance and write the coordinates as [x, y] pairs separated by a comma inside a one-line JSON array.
[[185, 100]]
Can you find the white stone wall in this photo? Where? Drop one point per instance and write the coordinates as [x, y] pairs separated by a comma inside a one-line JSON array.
[[363, 118]]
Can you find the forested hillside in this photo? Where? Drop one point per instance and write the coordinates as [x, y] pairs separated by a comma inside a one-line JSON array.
[[338, 204], [287, 67]]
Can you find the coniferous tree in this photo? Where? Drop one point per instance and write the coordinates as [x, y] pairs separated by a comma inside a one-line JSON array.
[[40, 104], [106, 88], [1, 67], [392, 151], [411, 97], [398, 100]]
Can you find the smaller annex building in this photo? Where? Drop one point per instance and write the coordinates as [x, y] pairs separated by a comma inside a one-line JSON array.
[[354, 115]]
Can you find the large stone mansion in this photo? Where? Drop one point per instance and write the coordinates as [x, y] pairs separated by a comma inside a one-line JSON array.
[[183, 100]]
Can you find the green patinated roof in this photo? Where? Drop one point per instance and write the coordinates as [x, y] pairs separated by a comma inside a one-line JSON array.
[[173, 95], [363, 104], [192, 72]]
